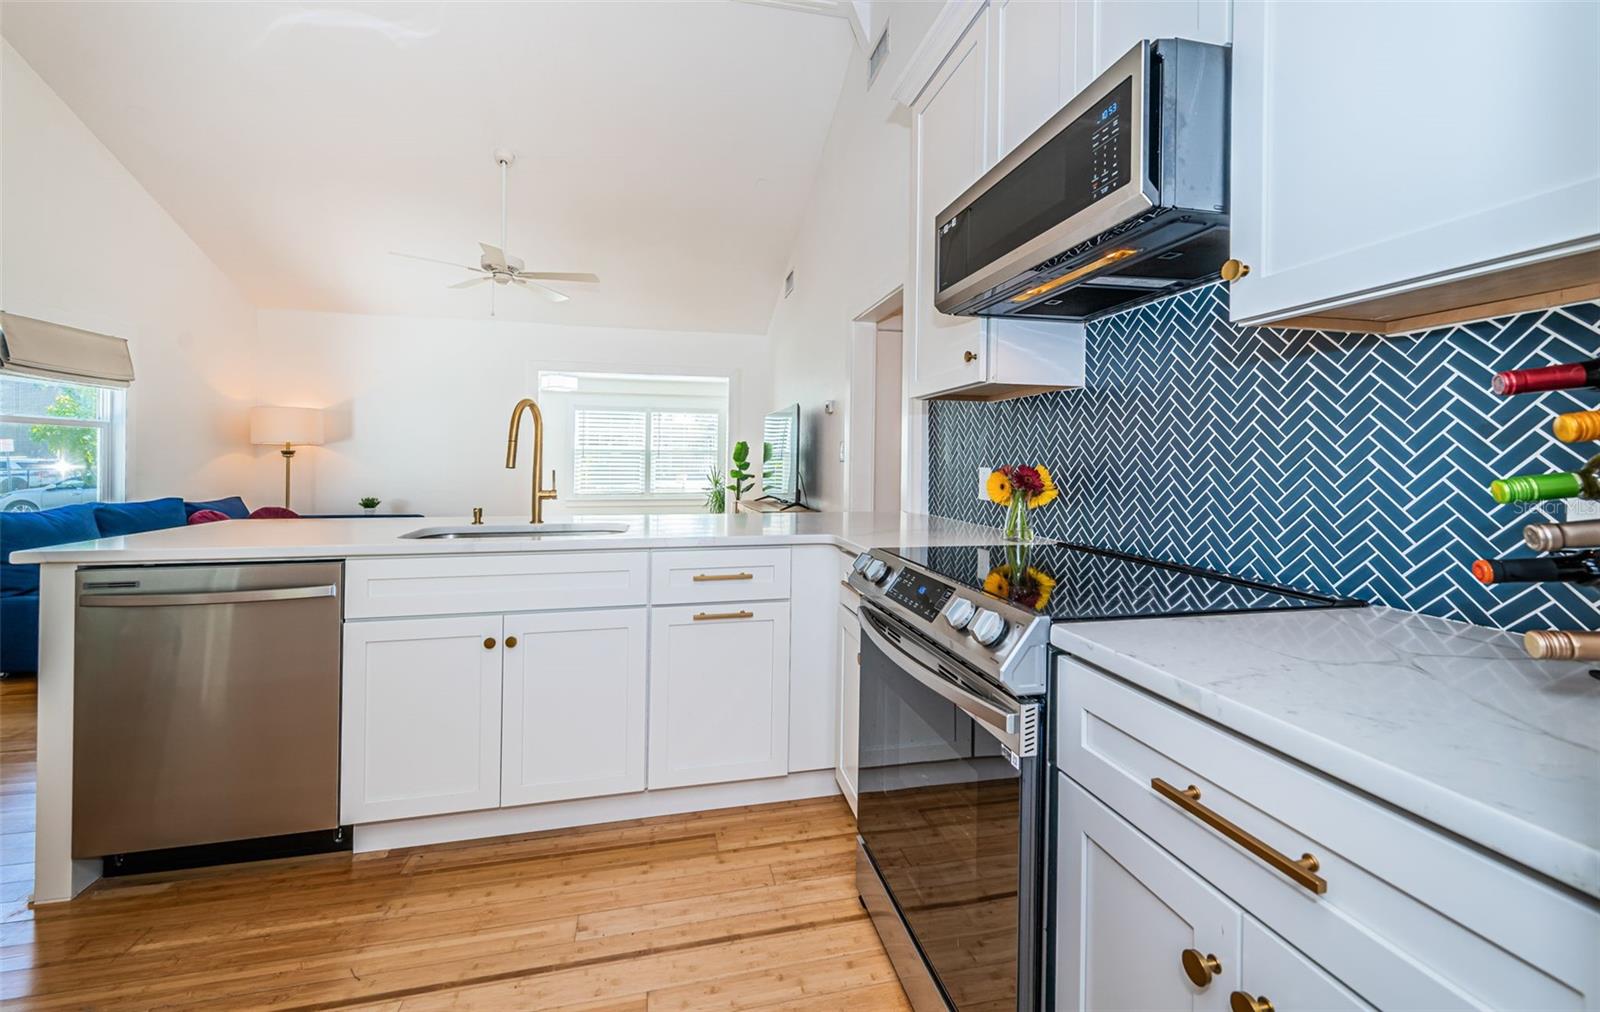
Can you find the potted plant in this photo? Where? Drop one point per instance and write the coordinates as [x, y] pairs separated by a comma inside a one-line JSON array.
[[369, 504], [716, 491]]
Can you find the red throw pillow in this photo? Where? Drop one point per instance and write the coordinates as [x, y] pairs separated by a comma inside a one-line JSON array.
[[274, 513], [207, 516]]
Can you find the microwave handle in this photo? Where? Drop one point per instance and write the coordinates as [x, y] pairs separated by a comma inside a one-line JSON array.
[[1006, 725]]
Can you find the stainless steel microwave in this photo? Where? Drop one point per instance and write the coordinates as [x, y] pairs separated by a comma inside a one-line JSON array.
[[1119, 198]]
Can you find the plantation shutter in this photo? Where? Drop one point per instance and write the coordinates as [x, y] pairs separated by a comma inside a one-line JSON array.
[[683, 447], [608, 452]]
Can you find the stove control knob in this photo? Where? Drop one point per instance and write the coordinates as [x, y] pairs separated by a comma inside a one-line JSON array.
[[876, 570], [861, 562], [959, 612], [988, 628]]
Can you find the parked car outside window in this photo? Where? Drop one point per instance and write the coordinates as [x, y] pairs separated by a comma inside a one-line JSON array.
[[81, 488]]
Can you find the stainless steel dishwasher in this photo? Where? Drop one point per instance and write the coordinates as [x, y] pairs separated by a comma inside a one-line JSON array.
[[206, 705]]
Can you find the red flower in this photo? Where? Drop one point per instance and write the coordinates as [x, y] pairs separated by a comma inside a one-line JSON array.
[[1027, 479]]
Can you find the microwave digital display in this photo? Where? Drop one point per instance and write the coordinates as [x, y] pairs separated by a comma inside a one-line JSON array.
[[1087, 159]]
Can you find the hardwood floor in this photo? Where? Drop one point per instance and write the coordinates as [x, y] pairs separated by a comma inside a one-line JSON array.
[[733, 909]]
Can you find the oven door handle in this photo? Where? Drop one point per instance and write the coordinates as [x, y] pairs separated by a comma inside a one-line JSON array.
[[1014, 727]]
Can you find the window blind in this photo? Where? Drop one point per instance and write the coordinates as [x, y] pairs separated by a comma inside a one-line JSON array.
[[608, 452], [683, 447], [32, 347]]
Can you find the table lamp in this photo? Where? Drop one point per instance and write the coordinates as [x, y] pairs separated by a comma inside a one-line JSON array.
[[270, 426]]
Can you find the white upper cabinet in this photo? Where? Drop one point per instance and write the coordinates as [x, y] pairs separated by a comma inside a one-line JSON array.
[[1039, 59], [951, 147], [1103, 30], [1380, 149]]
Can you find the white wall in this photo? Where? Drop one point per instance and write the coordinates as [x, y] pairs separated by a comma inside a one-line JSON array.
[[418, 409], [851, 250], [82, 243]]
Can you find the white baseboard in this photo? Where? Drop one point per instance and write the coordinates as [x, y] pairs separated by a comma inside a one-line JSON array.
[[589, 811]]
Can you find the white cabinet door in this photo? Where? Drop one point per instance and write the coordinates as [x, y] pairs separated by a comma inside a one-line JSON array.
[[574, 695], [421, 717], [1106, 29], [719, 693], [1466, 143], [1277, 973], [951, 146], [1038, 65], [1127, 910], [849, 702], [813, 656]]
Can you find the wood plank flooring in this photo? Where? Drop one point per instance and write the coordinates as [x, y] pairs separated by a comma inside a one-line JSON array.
[[747, 908]]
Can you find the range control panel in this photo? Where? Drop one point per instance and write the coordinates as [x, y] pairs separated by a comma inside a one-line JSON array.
[[923, 595]]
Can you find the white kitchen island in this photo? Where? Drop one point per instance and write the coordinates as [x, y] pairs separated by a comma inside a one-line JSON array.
[[646, 735]]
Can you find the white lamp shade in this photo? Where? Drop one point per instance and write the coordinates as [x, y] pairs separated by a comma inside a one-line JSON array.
[[276, 426]]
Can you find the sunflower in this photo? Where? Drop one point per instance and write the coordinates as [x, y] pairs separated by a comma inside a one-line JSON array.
[[999, 487], [997, 583], [1045, 495]]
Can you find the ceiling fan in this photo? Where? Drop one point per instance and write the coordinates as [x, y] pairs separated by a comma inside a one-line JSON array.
[[498, 266]]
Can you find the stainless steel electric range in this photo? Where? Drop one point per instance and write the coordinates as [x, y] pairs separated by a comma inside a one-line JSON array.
[[954, 797]]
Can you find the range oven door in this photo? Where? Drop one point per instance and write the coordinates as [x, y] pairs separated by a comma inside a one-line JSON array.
[[951, 811]]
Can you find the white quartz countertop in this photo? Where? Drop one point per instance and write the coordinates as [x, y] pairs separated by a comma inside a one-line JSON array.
[[256, 540], [1450, 722]]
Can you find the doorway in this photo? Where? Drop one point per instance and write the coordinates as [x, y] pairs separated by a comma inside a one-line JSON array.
[[876, 450]]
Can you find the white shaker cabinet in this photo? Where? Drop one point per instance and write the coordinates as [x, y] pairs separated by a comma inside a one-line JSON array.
[[846, 771], [574, 705], [1128, 911], [719, 693], [1277, 974], [1383, 150], [420, 718]]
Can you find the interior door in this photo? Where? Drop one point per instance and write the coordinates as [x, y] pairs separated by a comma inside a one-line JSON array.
[[1126, 910], [574, 705]]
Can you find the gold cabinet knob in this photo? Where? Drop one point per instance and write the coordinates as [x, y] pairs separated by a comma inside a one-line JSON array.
[[511, 642], [1200, 968], [488, 643], [969, 356], [1238, 1001], [1233, 270]]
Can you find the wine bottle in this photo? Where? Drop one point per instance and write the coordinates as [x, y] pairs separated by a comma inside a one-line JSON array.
[[1560, 645], [1583, 483], [1553, 537], [1578, 567], [1577, 426], [1568, 376]]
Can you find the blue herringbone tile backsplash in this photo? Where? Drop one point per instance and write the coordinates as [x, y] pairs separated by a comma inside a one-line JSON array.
[[1346, 463]]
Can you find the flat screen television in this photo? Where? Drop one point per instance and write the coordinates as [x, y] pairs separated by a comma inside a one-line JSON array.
[[780, 471]]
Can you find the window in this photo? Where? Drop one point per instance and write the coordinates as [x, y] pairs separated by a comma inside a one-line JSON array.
[[60, 443], [635, 438]]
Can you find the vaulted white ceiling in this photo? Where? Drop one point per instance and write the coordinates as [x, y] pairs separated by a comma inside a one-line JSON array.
[[667, 146]]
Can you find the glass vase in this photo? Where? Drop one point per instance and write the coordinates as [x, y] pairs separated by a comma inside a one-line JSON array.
[[1017, 526]]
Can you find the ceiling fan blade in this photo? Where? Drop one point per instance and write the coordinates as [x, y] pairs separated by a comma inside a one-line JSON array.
[[494, 254], [480, 279], [558, 276], [541, 290], [433, 260]]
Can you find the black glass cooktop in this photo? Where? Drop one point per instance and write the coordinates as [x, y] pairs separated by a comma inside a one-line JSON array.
[[1079, 583]]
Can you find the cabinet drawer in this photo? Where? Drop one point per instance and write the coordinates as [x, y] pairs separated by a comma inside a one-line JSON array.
[[459, 585], [723, 574], [1411, 918]]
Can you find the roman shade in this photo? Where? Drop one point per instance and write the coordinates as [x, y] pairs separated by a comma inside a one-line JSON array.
[[32, 347]]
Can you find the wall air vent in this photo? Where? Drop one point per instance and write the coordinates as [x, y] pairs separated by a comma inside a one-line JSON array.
[[788, 285], [880, 53]]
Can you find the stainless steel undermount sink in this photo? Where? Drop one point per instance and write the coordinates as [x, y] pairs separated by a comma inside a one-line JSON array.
[[477, 531]]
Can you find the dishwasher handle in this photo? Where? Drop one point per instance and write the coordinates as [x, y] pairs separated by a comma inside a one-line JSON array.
[[206, 597]]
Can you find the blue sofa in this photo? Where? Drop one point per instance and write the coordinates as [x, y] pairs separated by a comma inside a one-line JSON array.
[[19, 584]]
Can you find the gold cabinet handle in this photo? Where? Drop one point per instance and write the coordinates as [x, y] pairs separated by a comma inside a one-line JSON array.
[[715, 577], [1233, 270], [969, 356], [511, 642], [1238, 1001], [1200, 967], [713, 616], [1301, 872], [488, 643]]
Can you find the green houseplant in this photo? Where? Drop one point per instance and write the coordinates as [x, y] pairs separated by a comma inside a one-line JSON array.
[[743, 477], [716, 491], [369, 504]]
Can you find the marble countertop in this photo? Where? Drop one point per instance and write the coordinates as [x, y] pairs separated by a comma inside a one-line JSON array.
[[1450, 722], [257, 540]]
